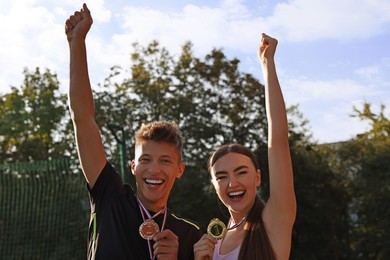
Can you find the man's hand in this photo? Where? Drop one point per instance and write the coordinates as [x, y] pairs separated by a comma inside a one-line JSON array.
[[267, 47], [166, 246], [204, 248], [78, 24]]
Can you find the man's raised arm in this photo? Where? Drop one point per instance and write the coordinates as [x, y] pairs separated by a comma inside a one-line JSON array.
[[89, 144]]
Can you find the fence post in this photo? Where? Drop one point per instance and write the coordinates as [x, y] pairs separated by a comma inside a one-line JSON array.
[[121, 147]]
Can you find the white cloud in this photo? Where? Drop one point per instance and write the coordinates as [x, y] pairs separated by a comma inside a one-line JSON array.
[[100, 12], [39, 40], [307, 20], [233, 26], [229, 26], [337, 125], [369, 73], [328, 105], [306, 90], [32, 38], [174, 29], [235, 9], [98, 9], [376, 74]]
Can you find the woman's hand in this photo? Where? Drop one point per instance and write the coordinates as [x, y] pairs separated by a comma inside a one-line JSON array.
[[204, 248]]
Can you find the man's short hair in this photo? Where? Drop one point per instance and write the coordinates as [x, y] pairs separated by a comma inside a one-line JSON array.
[[161, 131]]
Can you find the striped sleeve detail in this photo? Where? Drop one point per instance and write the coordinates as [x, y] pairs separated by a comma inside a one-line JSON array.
[[187, 221]]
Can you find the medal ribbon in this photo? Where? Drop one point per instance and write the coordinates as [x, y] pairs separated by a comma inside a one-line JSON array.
[[235, 225], [145, 211]]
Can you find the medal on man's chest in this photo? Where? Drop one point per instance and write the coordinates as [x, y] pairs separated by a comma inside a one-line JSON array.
[[148, 229]]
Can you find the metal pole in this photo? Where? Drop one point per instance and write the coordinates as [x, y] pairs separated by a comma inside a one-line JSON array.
[[121, 148]]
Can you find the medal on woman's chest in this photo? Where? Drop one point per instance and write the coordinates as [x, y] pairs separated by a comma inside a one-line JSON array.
[[216, 229]]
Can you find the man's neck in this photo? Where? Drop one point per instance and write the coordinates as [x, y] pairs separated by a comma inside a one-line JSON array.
[[151, 206]]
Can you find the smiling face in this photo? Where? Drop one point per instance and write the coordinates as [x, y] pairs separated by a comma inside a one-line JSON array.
[[235, 180], [156, 166]]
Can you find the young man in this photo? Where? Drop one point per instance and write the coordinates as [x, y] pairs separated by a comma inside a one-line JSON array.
[[125, 225]]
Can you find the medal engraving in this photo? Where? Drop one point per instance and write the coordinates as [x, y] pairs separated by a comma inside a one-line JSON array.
[[216, 229], [148, 229]]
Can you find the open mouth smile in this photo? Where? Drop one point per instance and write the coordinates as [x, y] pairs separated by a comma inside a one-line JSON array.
[[154, 181], [236, 194]]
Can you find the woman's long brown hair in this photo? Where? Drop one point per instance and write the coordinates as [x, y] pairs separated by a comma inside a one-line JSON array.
[[256, 244]]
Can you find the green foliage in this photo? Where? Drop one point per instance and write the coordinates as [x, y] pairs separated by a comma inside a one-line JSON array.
[[321, 229], [211, 100], [342, 189], [32, 119], [343, 197], [366, 160]]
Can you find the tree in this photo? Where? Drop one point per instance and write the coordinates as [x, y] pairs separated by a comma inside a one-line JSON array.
[[34, 125], [322, 225], [211, 100], [366, 160], [214, 103]]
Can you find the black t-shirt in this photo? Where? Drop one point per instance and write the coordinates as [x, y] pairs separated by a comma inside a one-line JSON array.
[[115, 220]]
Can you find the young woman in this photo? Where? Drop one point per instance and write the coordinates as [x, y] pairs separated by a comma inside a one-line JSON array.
[[256, 230]]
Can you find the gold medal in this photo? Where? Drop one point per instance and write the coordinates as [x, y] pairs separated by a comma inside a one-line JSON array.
[[216, 229], [148, 229]]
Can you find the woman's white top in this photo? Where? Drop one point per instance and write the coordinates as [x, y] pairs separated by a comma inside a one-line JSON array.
[[232, 255]]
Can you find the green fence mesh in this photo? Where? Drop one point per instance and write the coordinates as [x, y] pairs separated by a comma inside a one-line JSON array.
[[44, 211]]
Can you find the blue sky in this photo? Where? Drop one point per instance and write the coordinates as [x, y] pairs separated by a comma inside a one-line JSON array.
[[332, 55]]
